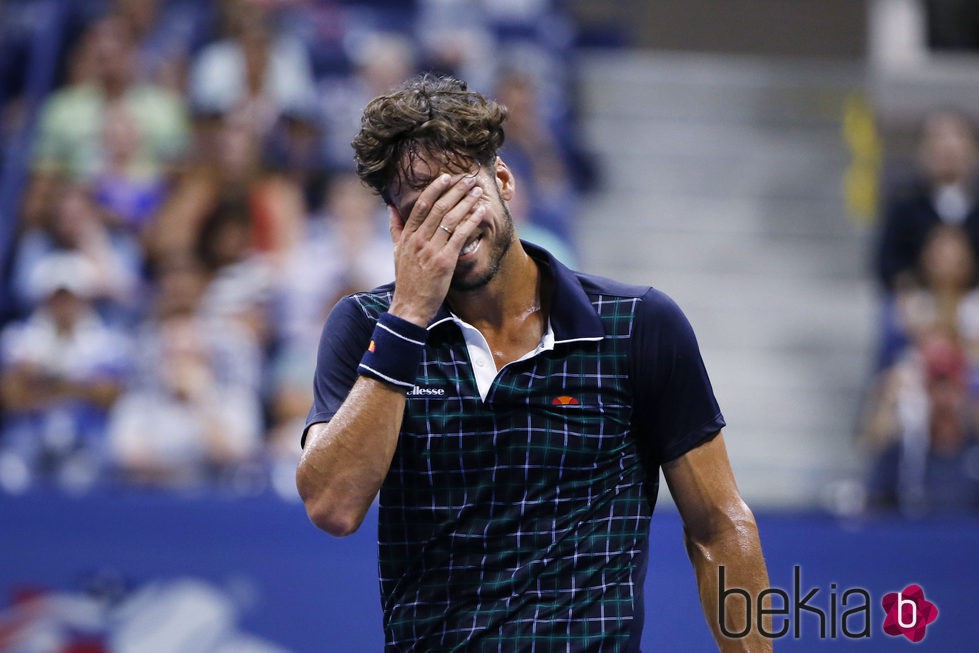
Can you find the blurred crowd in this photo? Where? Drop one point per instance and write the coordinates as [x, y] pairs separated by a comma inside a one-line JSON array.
[[192, 214], [921, 421]]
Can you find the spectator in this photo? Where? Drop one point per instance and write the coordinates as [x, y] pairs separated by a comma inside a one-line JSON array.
[[940, 294], [206, 239], [165, 33], [128, 194], [179, 283], [255, 71], [456, 39], [69, 134], [519, 207], [382, 60], [229, 172], [61, 370], [185, 424], [293, 153], [534, 152], [946, 297], [928, 453], [347, 249], [235, 358], [239, 280], [75, 225], [945, 193], [952, 25]]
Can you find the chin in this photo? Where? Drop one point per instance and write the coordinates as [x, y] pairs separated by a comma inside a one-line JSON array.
[[477, 270], [472, 279], [475, 274]]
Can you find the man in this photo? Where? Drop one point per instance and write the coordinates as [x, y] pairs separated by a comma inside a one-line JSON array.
[[61, 371], [924, 432], [512, 413], [69, 144], [943, 193], [189, 421]]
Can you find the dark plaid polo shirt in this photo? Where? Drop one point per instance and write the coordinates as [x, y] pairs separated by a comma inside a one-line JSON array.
[[521, 523]]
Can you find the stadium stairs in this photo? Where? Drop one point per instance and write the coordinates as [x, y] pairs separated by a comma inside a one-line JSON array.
[[723, 188]]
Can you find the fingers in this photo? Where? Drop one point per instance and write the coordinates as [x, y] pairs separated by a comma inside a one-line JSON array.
[[437, 201], [465, 229], [423, 203], [459, 213]]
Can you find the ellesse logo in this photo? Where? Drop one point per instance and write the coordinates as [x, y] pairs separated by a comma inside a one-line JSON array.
[[419, 391], [564, 400]]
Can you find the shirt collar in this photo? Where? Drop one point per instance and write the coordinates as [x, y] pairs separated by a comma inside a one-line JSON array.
[[572, 315]]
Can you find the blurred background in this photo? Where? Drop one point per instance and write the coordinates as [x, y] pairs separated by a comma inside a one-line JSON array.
[[178, 213]]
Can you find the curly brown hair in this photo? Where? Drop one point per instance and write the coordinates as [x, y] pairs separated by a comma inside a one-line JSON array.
[[437, 117]]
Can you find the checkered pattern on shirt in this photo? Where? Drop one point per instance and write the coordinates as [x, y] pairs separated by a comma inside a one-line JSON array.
[[516, 524]]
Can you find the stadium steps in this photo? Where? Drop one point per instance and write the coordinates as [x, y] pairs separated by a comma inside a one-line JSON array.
[[723, 188]]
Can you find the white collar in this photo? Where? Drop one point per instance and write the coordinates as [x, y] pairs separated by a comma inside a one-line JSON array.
[[481, 358]]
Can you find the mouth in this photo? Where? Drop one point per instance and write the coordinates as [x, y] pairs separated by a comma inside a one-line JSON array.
[[471, 247]]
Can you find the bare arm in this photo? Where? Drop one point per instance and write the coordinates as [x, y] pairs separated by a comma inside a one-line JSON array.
[[346, 459], [27, 388], [720, 530]]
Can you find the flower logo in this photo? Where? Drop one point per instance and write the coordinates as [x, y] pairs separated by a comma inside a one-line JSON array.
[[908, 613]]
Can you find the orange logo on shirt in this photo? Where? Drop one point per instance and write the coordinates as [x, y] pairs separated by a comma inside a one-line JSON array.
[[371, 346], [564, 400]]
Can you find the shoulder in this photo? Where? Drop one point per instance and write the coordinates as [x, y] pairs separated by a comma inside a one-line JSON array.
[[361, 308], [371, 303], [596, 286], [150, 100], [13, 339], [657, 304], [221, 52], [912, 201], [140, 404], [650, 303], [68, 103]]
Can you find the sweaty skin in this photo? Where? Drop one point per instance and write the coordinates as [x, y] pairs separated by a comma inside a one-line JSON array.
[[719, 529]]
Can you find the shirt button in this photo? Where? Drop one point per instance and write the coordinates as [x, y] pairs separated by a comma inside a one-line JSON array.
[[480, 362]]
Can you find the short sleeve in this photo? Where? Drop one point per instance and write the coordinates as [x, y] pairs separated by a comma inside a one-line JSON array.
[[50, 145], [214, 83], [164, 124], [346, 336], [676, 410]]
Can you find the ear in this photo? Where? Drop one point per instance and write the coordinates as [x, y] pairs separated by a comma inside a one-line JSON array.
[[505, 180]]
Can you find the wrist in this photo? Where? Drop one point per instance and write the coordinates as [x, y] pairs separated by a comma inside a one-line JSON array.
[[396, 349], [419, 318]]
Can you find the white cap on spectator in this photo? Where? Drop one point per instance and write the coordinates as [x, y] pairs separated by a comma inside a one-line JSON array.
[[68, 271]]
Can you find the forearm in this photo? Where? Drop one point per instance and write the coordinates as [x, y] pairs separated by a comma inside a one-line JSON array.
[[731, 553], [346, 460], [720, 532], [19, 392], [101, 392]]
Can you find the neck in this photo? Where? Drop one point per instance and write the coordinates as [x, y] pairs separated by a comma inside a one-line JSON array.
[[113, 89], [514, 294], [946, 435]]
